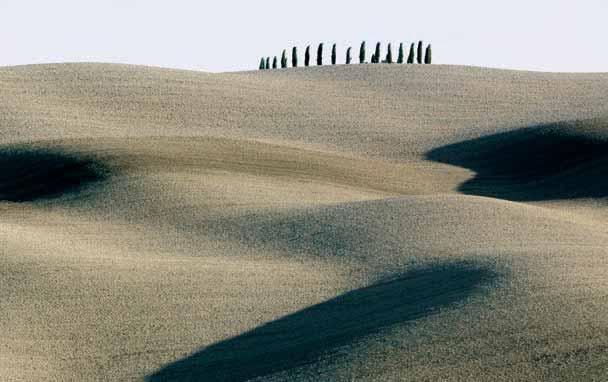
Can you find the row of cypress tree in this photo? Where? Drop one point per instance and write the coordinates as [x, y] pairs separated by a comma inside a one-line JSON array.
[[415, 54]]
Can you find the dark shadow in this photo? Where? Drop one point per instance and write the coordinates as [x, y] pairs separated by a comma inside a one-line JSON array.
[[549, 162], [303, 337], [32, 174]]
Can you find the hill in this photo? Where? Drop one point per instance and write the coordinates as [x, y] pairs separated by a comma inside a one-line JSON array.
[[373, 222]]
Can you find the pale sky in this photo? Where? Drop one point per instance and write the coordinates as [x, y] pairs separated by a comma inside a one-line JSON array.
[[225, 35]]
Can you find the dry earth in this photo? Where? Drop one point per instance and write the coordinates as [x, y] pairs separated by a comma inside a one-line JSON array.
[[384, 222]]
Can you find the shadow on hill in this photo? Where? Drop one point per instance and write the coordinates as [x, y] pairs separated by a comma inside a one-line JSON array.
[[305, 336], [32, 174], [558, 161]]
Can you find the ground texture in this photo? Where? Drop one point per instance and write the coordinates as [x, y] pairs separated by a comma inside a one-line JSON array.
[[364, 222]]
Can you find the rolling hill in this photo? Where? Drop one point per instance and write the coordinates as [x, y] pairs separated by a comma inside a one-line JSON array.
[[362, 222]]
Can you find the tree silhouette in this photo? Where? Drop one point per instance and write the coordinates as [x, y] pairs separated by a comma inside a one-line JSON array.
[[348, 56], [320, 55], [274, 62], [362, 53], [410, 58], [307, 56], [262, 64], [428, 58], [294, 57], [333, 55], [419, 58], [389, 54], [401, 54], [267, 62], [377, 54]]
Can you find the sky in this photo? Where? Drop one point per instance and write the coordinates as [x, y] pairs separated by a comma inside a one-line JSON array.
[[230, 35]]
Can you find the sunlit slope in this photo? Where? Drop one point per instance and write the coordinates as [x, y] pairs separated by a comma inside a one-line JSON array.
[[337, 223], [388, 111]]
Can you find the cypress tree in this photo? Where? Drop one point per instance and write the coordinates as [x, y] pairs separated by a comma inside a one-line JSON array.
[[373, 60], [401, 54], [362, 53], [333, 55], [377, 54], [294, 57], [389, 54], [262, 64], [267, 62], [284, 59], [419, 58], [307, 56], [428, 58], [320, 55], [410, 58], [348, 57], [274, 62]]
